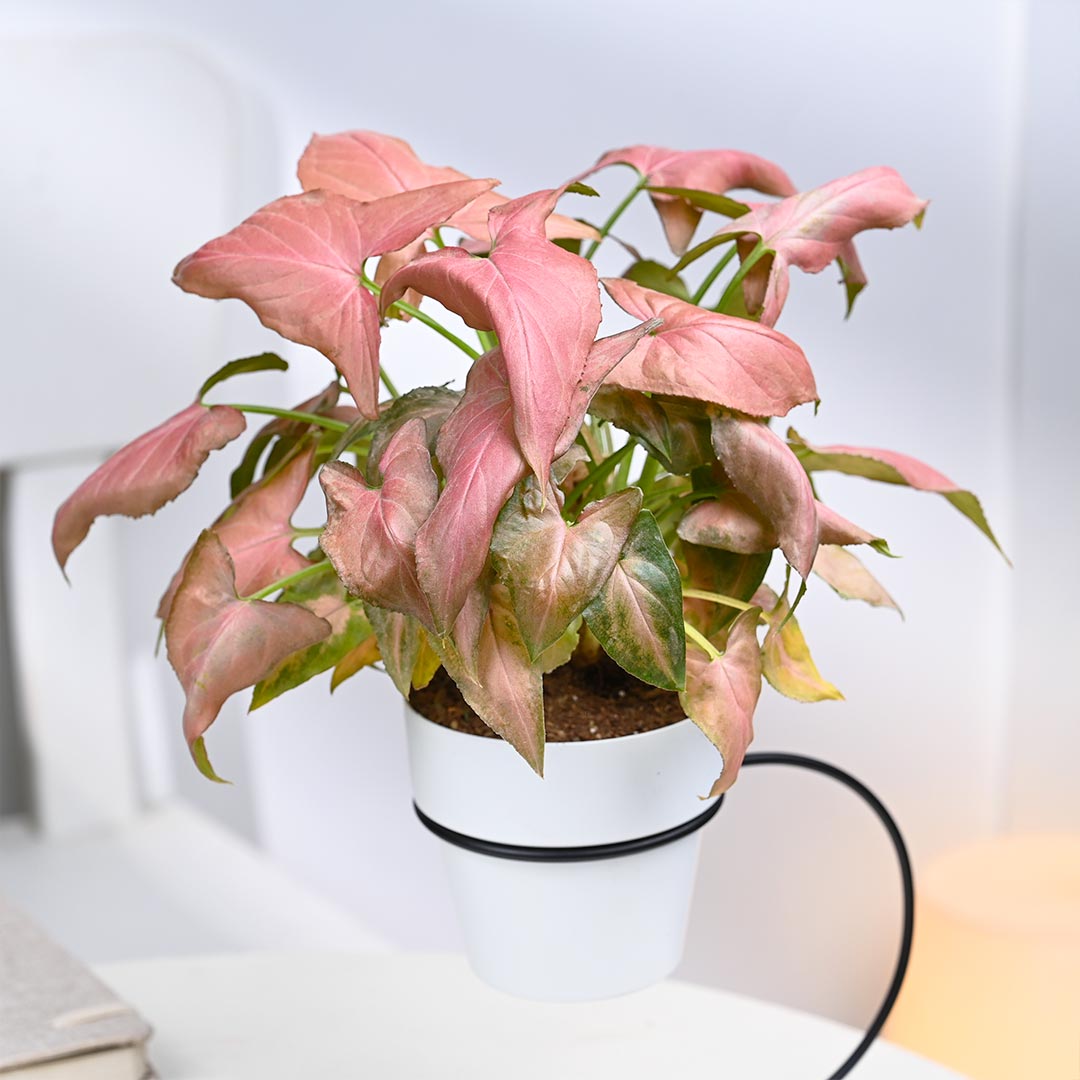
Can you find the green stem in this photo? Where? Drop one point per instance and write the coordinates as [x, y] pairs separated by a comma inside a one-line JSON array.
[[488, 339], [745, 267], [713, 274], [699, 639], [426, 319], [316, 530], [622, 474], [291, 414], [615, 215], [648, 474], [436, 236], [391, 389], [716, 598], [598, 475], [285, 582]]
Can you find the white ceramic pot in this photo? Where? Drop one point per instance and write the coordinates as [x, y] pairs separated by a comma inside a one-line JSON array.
[[559, 924]]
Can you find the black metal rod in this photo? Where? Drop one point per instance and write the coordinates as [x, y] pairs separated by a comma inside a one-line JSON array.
[[585, 853], [814, 765]]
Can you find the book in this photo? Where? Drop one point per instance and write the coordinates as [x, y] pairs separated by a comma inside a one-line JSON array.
[[58, 1021]]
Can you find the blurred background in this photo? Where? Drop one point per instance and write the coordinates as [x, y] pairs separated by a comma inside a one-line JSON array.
[[133, 132]]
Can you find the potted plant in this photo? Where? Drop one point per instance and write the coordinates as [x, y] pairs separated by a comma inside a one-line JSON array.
[[570, 553]]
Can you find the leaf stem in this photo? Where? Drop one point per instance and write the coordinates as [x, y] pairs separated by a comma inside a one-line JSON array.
[[598, 475], [615, 215], [745, 267], [291, 414], [391, 389], [716, 598], [713, 274], [649, 471], [426, 319], [699, 639], [285, 582]]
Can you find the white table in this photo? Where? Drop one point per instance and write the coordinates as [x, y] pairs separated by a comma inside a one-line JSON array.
[[334, 1016]]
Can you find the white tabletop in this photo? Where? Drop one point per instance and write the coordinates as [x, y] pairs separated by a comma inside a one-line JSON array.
[[333, 1016]]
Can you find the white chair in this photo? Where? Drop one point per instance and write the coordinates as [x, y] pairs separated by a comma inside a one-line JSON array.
[[124, 154]]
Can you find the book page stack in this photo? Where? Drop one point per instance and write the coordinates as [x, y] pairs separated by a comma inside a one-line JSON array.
[[57, 1020]]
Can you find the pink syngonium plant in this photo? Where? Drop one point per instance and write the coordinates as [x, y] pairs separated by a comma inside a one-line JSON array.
[[583, 494]]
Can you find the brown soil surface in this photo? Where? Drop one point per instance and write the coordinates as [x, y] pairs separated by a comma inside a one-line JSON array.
[[595, 701]]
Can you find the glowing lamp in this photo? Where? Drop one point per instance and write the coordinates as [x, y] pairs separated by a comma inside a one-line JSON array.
[[993, 990]]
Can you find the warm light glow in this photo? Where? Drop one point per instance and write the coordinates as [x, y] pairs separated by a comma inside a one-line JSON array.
[[994, 985]]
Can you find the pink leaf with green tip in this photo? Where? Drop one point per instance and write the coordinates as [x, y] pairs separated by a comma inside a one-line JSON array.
[[147, 473], [490, 663], [890, 467], [366, 165], [553, 570], [732, 522], [846, 575], [542, 301], [370, 534], [699, 354], [218, 643], [764, 469], [813, 228], [257, 530], [721, 694], [297, 263], [715, 171]]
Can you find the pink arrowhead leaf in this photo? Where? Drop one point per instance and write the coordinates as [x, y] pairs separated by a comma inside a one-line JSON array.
[[764, 469], [721, 694], [482, 462], [733, 523], [297, 263], [542, 301], [890, 467], [785, 656], [370, 535], [218, 643], [699, 354], [257, 530], [813, 228], [498, 680], [847, 576], [553, 570], [715, 171], [365, 165], [147, 473]]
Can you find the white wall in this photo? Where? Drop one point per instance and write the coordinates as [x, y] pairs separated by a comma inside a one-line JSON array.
[[797, 900]]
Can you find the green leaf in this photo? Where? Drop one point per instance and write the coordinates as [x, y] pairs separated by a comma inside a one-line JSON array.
[[725, 573], [560, 652], [638, 616], [432, 404], [325, 596], [653, 275], [398, 636], [202, 761], [676, 434], [705, 200], [266, 361], [578, 188], [569, 243], [243, 475]]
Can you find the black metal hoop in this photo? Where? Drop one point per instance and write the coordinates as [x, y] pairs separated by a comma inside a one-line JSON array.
[[585, 853]]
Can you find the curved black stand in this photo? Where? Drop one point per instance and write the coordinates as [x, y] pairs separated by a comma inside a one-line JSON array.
[[875, 804]]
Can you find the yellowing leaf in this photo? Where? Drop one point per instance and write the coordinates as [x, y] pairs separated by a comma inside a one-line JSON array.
[[785, 657]]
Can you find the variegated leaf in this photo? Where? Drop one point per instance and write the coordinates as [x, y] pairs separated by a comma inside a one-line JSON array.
[[637, 615]]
